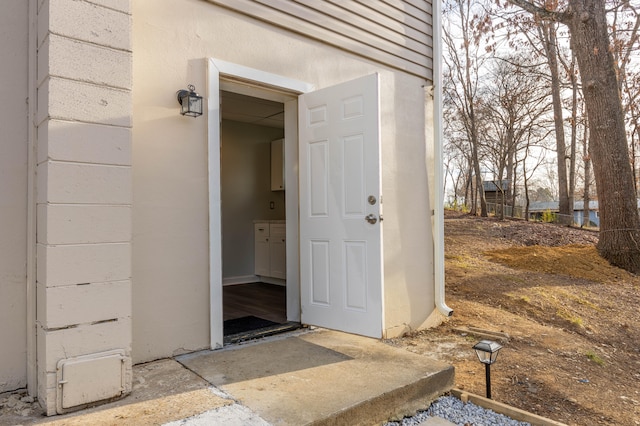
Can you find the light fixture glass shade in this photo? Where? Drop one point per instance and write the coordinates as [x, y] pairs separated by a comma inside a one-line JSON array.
[[190, 102], [487, 351]]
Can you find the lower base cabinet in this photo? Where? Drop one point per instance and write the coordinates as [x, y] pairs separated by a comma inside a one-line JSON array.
[[270, 250]]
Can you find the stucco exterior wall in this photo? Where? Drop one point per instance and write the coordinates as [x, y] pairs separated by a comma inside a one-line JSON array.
[[170, 246], [13, 189]]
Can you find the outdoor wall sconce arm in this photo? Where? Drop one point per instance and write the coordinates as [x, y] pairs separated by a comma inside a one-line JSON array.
[[190, 102], [487, 352]]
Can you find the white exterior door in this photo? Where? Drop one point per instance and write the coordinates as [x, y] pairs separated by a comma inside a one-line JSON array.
[[340, 212]]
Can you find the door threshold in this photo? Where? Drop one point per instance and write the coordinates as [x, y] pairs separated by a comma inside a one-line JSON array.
[[261, 332]]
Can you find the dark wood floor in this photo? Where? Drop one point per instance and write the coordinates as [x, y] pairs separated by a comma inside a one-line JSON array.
[[262, 300]]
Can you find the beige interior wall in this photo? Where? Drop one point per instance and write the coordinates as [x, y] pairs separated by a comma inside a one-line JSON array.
[[246, 192], [13, 190], [170, 251]]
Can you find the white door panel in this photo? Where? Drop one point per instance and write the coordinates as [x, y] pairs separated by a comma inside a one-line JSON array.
[[340, 251]]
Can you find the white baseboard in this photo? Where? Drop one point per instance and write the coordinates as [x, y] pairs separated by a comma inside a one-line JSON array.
[[243, 279], [247, 279], [271, 280]]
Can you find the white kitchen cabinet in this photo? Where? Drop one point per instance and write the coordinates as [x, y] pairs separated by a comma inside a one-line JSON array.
[[277, 165], [262, 249], [270, 250], [277, 251]]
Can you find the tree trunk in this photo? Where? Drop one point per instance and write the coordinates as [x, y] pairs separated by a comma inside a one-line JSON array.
[[619, 222], [526, 186], [475, 156], [514, 193], [634, 166], [586, 221], [574, 138], [468, 191], [479, 188], [619, 241], [549, 36], [511, 146], [500, 193]]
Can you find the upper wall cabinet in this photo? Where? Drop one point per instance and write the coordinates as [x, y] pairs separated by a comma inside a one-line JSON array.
[[277, 165]]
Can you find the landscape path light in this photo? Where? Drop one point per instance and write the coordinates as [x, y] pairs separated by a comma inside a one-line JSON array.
[[487, 352]]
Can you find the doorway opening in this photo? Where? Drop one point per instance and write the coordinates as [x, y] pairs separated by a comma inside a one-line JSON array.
[[232, 80], [253, 215]]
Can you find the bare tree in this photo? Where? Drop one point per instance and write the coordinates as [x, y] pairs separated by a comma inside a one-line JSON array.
[[586, 20], [457, 147], [516, 102], [527, 174], [573, 77], [586, 221], [463, 60], [456, 162], [548, 34], [624, 30], [545, 40]]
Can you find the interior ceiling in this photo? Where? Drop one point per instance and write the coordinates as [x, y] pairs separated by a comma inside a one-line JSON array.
[[247, 109]]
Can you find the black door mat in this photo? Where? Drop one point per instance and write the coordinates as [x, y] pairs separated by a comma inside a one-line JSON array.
[[244, 324], [263, 328]]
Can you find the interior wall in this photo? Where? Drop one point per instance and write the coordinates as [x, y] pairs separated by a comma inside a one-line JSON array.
[[246, 192], [13, 187]]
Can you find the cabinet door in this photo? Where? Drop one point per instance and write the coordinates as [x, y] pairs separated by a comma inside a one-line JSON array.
[[262, 256], [278, 257], [261, 248], [277, 165]]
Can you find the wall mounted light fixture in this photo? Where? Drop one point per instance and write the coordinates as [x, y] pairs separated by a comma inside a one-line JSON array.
[[190, 101]]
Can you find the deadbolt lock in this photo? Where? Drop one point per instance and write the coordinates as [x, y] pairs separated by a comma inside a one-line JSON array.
[[372, 200]]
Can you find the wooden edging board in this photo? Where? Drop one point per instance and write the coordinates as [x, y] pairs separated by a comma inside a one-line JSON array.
[[507, 410]]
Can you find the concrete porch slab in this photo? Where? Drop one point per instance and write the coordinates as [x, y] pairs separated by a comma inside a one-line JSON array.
[[323, 377], [163, 391]]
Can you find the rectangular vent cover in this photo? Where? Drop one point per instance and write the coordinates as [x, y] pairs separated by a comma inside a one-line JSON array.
[[86, 379]]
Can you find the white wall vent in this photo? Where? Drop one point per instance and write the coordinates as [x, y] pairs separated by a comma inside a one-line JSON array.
[[91, 378]]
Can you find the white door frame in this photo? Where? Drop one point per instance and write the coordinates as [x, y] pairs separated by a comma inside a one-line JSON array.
[[252, 82]]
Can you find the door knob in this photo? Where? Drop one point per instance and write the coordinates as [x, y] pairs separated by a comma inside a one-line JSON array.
[[371, 218]]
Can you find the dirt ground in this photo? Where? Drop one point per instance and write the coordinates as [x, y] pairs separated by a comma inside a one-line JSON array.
[[573, 321]]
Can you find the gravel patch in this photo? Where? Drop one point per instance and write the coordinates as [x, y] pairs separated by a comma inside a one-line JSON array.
[[462, 414], [16, 407]]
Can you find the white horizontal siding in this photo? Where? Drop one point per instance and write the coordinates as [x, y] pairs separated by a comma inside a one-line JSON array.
[[397, 33]]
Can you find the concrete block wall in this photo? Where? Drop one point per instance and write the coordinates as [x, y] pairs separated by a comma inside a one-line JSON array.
[[84, 186]]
